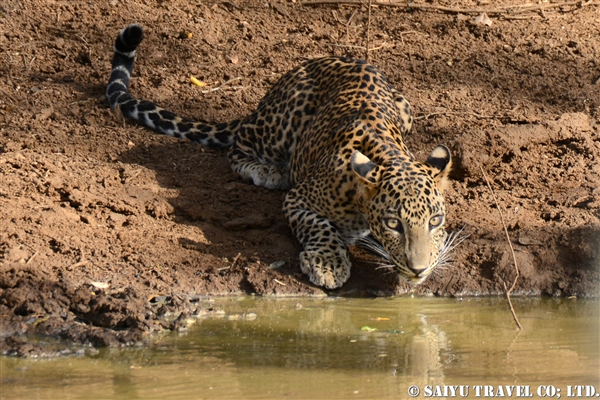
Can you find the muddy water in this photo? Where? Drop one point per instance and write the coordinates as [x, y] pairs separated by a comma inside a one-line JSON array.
[[338, 348]]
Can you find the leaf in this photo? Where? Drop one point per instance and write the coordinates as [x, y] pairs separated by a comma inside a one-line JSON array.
[[483, 19], [276, 265], [368, 329], [100, 285], [196, 81]]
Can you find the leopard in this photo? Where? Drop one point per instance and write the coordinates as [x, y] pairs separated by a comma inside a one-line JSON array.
[[330, 134]]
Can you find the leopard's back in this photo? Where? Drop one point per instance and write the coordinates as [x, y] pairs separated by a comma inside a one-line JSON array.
[[357, 100]]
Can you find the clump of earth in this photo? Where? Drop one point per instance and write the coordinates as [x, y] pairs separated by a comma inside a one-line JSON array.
[[110, 232]]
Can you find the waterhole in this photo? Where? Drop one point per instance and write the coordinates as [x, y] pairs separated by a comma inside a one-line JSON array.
[[332, 348]]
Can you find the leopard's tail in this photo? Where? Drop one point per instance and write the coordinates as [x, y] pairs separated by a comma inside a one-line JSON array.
[[148, 113]]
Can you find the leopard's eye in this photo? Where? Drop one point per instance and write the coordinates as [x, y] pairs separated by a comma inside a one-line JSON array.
[[394, 224], [436, 221]]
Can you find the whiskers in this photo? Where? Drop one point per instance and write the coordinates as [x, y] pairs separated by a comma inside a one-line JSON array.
[[386, 263], [369, 243], [388, 269], [452, 241]]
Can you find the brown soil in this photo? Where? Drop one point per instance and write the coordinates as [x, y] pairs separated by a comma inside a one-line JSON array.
[[107, 226]]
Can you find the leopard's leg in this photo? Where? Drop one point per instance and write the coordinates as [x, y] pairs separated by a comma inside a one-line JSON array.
[[249, 168], [325, 257]]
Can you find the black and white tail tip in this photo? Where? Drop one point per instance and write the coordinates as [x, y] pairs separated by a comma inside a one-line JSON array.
[[125, 46]]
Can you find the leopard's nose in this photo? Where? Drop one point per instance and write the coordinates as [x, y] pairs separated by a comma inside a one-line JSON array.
[[417, 269], [417, 251]]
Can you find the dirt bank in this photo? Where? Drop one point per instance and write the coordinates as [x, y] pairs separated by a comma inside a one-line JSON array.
[[106, 226]]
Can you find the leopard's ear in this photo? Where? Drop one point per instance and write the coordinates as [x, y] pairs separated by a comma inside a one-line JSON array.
[[440, 162], [364, 168]]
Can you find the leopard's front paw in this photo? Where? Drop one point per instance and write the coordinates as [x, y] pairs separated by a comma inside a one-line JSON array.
[[270, 176], [278, 178], [328, 271]]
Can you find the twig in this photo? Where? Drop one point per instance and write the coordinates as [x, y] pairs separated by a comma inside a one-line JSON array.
[[25, 62], [348, 25], [281, 283], [512, 251], [407, 32], [223, 86], [519, 17], [512, 310], [523, 8], [368, 31], [235, 259], [474, 114], [349, 46], [353, 46], [381, 46], [397, 4], [77, 264], [31, 258]]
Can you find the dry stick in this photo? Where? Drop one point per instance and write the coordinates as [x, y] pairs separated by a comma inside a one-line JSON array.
[[352, 46], [32, 257], [348, 25], [368, 31], [474, 114], [432, 7], [508, 292], [223, 86], [384, 44], [77, 264], [235, 259], [400, 4]]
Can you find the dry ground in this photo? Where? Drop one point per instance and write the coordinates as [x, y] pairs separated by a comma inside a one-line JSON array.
[[106, 225]]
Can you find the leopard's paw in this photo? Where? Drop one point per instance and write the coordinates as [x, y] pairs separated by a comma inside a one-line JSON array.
[[328, 271], [278, 178], [273, 177]]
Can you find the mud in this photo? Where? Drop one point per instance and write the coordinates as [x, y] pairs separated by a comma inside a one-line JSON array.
[[110, 232]]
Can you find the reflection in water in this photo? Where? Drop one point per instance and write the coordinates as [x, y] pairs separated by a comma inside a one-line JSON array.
[[425, 350], [335, 348]]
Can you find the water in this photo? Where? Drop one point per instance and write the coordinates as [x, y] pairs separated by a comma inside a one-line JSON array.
[[336, 348]]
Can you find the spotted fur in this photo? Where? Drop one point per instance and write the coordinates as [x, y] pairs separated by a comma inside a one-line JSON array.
[[330, 131]]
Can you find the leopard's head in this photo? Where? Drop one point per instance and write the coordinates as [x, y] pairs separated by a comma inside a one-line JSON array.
[[404, 204]]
